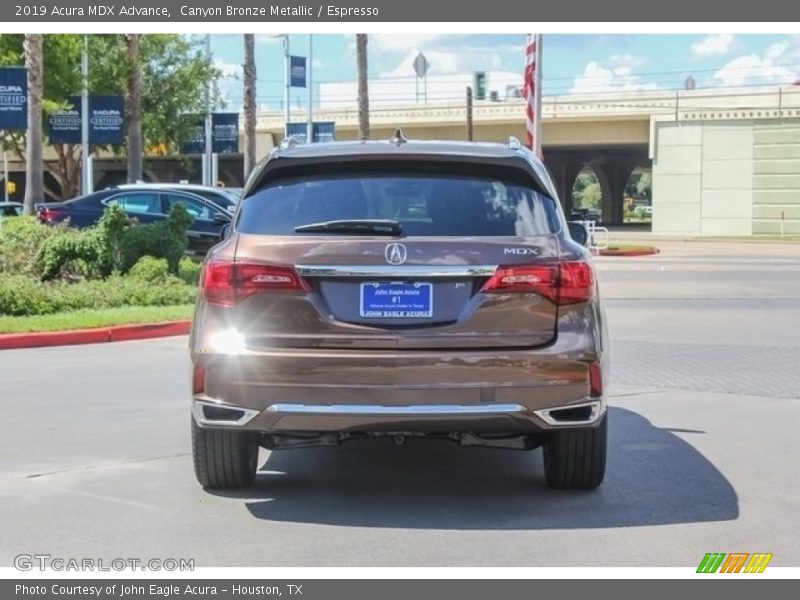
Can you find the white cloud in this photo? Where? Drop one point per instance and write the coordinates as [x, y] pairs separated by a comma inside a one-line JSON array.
[[755, 69], [599, 79], [229, 85], [713, 45], [628, 60], [444, 63]]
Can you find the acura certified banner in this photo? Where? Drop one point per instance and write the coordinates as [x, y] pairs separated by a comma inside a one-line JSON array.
[[225, 134], [13, 98], [106, 121]]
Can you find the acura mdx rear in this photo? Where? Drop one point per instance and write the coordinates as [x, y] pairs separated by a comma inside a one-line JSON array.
[[401, 289]]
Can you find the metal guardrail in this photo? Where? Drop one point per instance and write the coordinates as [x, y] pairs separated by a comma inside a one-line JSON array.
[[592, 228]]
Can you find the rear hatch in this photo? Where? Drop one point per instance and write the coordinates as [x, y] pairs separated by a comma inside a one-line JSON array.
[[438, 298], [367, 258]]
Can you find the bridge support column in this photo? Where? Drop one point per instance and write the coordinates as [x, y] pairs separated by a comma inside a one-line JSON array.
[[564, 174]]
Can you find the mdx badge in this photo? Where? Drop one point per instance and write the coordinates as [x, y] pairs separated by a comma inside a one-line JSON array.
[[395, 254], [520, 251]]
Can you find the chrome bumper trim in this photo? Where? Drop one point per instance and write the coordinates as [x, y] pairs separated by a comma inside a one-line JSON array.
[[396, 270], [399, 411], [598, 410], [202, 420]]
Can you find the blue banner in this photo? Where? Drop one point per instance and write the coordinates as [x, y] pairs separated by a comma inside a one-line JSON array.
[[297, 67], [195, 142], [224, 134], [106, 121], [322, 131], [225, 139], [13, 98], [64, 126]]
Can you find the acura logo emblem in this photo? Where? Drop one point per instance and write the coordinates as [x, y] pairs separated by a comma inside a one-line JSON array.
[[395, 254]]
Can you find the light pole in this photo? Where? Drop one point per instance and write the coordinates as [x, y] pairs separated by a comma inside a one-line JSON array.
[[288, 76], [208, 159], [287, 73], [86, 169], [309, 83]]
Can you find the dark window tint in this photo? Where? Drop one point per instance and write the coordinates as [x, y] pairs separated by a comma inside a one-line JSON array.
[[221, 198], [196, 208], [137, 202], [424, 205]]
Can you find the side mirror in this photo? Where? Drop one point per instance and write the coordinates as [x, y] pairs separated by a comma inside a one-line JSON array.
[[224, 231], [578, 232], [220, 218]]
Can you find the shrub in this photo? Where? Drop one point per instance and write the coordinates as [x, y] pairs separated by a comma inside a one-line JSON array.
[[189, 270], [115, 244], [21, 238], [150, 269], [21, 296]]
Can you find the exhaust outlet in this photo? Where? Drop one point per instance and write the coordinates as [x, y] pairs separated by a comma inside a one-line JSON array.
[[585, 413]]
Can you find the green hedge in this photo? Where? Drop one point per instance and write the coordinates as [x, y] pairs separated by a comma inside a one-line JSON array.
[[24, 296], [21, 239]]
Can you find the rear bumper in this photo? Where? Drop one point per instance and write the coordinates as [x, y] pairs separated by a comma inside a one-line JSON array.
[[498, 391], [490, 418]]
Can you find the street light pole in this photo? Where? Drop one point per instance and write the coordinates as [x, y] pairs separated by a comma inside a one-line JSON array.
[[207, 172], [309, 83], [86, 175], [288, 82]]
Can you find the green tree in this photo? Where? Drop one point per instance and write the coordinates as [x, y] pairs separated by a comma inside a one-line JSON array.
[[173, 78], [586, 191]]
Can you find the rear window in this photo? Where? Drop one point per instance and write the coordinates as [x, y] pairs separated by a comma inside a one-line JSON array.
[[424, 205]]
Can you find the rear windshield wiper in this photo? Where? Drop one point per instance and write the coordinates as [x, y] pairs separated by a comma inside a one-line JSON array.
[[354, 226]]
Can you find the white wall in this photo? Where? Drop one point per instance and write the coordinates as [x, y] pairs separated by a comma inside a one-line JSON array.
[[703, 178]]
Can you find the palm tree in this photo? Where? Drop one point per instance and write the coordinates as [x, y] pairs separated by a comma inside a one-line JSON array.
[[249, 103], [363, 92], [135, 167], [34, 171]]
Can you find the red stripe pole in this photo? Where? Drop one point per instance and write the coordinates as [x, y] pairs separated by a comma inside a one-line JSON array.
[[531, 91]]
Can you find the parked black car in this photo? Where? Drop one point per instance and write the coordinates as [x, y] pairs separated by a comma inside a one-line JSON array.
[[147, 205], [10, 209], [221, 196]]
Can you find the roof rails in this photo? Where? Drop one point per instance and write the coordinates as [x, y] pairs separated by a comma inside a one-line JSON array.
[[288, 143]]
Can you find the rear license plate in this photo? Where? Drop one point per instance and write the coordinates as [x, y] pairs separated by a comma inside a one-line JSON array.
[[396, 300]]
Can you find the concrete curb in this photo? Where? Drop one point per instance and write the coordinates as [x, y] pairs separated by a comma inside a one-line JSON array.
[[639, 251], [116, 333]]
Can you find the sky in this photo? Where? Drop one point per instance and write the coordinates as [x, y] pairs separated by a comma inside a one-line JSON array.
[[572, 64]]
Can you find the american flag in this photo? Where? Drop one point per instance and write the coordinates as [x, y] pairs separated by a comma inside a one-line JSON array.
[[531, 92]]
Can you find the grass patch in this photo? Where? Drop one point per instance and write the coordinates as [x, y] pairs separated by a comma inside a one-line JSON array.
[[93, 318]]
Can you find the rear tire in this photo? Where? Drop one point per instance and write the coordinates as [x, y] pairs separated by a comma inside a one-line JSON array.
[[575, 459], [222, 458]]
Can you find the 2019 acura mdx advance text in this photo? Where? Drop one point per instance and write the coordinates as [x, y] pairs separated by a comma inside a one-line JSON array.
[[403, 289]]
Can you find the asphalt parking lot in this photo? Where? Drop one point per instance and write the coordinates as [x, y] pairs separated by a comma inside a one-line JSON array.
[[705, 405]]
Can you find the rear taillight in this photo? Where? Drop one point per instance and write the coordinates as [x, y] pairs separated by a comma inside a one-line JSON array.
[[226, 283], [576, 282], [561, 283], [50, 215]]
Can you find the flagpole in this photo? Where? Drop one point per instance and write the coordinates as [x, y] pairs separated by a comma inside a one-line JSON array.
[[538, 97]]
